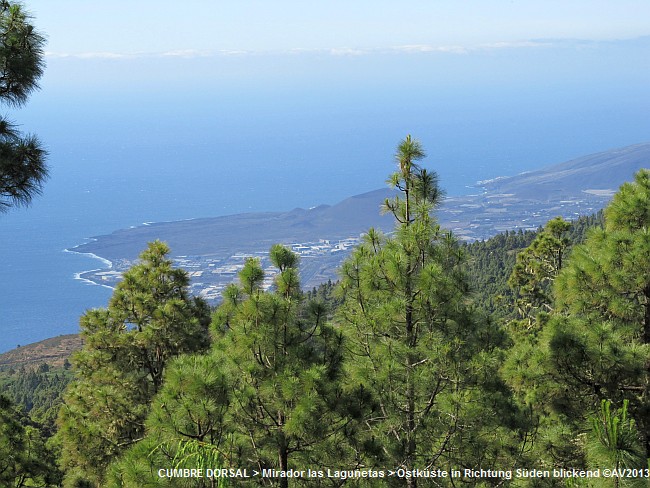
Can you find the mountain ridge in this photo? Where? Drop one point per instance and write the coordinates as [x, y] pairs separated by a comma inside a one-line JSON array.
[[599, 171]]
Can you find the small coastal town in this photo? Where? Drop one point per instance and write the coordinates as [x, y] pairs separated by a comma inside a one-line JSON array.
[[478, 217], [470, 218], [210, 274]]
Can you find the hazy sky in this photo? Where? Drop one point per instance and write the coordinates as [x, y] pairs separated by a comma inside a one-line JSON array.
[[82, 27], [172, 63]]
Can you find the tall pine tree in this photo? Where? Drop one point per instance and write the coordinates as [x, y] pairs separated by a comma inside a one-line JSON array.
[[414, 343], [599, 342]]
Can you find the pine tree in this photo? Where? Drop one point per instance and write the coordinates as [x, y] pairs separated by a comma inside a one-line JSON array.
[[596, 346], [415, 344], [606, 295], [266, 396], [22, 157], [186, 427], [614, 442], [24, 458], [287, 410], [552, 434], [536, 269], [150, 319]]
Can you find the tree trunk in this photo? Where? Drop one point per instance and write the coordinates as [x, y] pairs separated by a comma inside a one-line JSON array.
[[646, 316], [411, 444], [406, 210], [646, 340], [283, 454]]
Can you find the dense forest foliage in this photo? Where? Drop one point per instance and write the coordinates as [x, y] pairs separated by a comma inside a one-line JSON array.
[[525, 351], [491, 262]]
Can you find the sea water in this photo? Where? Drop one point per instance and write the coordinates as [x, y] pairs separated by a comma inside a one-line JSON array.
[[124, 161]]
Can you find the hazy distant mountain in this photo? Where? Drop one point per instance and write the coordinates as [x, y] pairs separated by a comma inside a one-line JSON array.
[[578, 187], [249, 231], [597, 173]]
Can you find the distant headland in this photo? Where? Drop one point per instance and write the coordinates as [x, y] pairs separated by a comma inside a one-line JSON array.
[[212, 250]]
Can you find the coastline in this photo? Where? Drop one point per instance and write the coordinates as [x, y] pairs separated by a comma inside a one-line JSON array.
[[79, 276]]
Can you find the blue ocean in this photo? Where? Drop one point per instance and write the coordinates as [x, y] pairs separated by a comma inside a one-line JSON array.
[[123, 157]]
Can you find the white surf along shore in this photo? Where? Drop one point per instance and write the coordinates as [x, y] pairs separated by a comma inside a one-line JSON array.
[[107, 266]]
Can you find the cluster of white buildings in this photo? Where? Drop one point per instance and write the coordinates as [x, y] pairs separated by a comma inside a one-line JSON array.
[[324, 246], [210, 275]]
